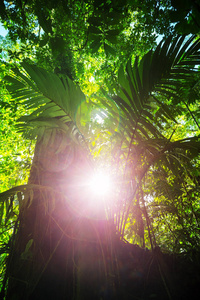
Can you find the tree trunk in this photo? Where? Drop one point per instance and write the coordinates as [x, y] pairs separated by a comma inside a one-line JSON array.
[[59, 251], [64, 249]]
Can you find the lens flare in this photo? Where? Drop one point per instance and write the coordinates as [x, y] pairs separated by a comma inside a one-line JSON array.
[[100, 184], [92, 197]]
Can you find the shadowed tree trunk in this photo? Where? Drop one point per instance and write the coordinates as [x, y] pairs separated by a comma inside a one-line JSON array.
[[62, 244], [66, 249]]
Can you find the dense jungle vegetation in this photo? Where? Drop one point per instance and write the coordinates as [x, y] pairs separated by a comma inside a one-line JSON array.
[[99, 87]]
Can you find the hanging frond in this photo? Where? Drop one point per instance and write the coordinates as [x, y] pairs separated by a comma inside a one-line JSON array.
[[145, 86], [51, 101], [145, 96]]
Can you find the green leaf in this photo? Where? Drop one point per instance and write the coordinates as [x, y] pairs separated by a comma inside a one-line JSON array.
[[51, 95], [95, 45], [109, 50], [111, 38], [95, 30]]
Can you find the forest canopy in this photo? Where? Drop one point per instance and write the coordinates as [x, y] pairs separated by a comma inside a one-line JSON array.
[[116, 83]]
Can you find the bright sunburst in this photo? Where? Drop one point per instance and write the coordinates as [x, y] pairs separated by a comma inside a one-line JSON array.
[[94, 198], [100, 184]]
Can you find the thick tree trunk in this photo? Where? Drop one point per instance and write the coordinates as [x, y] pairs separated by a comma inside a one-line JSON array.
[[59, 252]]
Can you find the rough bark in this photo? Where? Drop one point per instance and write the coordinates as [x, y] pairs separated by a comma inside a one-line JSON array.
[[57, 245], [61, 252]]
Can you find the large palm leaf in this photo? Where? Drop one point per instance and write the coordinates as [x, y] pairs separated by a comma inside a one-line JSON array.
[[145, 86], [144, 96], [50, 100]]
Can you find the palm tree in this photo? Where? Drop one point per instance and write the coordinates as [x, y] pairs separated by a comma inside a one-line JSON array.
[[54, 244], [151, 95]]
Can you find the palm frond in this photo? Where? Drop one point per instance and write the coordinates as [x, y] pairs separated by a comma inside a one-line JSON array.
[[159, 75], [50, 100]]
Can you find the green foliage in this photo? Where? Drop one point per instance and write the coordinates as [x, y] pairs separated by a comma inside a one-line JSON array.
[[158, 74], [149, 129], [186, 16], [64, 35], [15, 162], [144, 121], [53, 99]]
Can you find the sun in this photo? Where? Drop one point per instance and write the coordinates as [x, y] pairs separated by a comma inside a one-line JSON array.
[[100, 184], [94, 197]]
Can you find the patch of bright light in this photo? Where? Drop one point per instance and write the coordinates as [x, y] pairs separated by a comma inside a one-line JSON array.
[[91, 79], [3, 31], [99, 119], [100, 184]]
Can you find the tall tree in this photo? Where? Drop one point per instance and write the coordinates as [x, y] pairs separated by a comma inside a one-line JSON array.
[[60, 235], [58, 223]]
